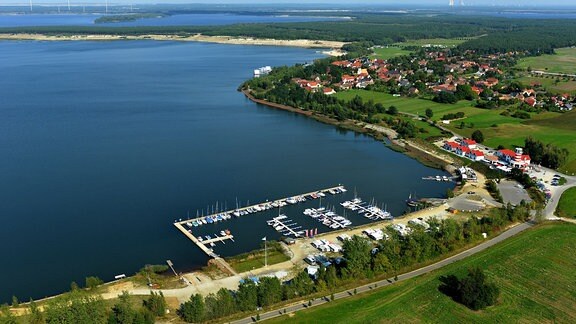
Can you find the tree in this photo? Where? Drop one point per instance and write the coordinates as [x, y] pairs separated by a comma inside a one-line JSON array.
[[358, 257], [429, 113], [122, 311], [477, 136], [247, 296], [36, 316], [15, 302], [156, 303], [76, 307], [73, 286], [193, 310], [392, 110], [473, 291], [269, 291], [93, 282], [6, 316]]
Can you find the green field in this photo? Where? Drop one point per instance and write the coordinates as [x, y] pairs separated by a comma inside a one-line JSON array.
[[448, 42], [564, 61], [534, 271], [256, 259], [567, 205], [388, 52], [554, 128], [397, 49], [550, 84]]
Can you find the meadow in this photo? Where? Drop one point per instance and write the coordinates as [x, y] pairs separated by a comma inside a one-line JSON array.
[[567, 205], [564, 61], [534, 271]]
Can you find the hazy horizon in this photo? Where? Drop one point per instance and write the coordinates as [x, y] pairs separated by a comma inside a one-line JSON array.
[[391, 3]]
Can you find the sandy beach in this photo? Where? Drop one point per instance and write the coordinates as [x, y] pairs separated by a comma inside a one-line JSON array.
[[306, 43]]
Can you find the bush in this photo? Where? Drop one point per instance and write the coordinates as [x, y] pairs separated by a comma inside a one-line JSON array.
[[473, 291]]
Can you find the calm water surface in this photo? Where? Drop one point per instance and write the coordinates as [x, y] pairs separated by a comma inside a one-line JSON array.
[[23, 20], [105, 144]]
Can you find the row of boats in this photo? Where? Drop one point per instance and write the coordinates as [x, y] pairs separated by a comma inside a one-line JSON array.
[[285, 226], [370, 211], [225, 215], [327, 217], [209, 237], [209, 220]]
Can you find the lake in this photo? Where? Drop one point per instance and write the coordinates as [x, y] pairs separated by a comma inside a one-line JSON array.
[[197, 19], [105, 144]]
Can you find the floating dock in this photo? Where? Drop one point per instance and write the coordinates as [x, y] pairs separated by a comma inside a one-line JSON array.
[[369, 211], [285, 226]]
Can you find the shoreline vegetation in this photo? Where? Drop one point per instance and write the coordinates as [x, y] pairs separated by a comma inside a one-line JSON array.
[[305, 43], [409, 148]]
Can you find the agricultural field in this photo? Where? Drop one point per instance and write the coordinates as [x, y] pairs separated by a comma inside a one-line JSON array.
[[554, 128], [564, 61], [567, 205], [534, 271]]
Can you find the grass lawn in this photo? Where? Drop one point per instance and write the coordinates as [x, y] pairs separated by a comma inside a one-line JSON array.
[[388, 52], [254, 260], [534, 271], [564, 61], [567, 205]]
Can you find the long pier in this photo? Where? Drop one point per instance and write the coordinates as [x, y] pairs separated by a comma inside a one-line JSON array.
[[180, 224], [262, 205]]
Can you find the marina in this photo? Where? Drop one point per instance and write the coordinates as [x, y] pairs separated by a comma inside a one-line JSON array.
[[328, 218], [281, 223], [285, 226], [369, 211]]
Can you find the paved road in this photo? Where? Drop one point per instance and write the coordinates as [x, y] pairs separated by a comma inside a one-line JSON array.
[[382, 283]]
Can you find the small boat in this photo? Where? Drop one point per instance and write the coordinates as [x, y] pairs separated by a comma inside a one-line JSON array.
[[412, 202], [212, 244]]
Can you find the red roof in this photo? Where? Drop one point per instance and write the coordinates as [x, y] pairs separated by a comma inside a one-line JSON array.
[[453, 144], [469, 142], [477, 153], [464, 149], [507, 152]]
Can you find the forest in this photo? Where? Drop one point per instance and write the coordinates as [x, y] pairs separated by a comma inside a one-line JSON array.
[[483, 34]]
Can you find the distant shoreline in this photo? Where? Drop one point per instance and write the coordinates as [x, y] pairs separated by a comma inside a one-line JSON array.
[[305, 43]]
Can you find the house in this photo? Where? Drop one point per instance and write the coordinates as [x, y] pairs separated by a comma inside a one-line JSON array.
[[490, 82], [328, 91], [530, 101], [451, 146], [348, 79], [475, 155], [469, 143], [515, 159], [462, 150]]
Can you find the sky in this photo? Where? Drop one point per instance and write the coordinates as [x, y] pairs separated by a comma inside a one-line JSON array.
[[530, 3]]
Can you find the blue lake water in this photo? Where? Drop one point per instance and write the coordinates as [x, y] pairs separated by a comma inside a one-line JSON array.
[[105, 144], [201, 19]]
